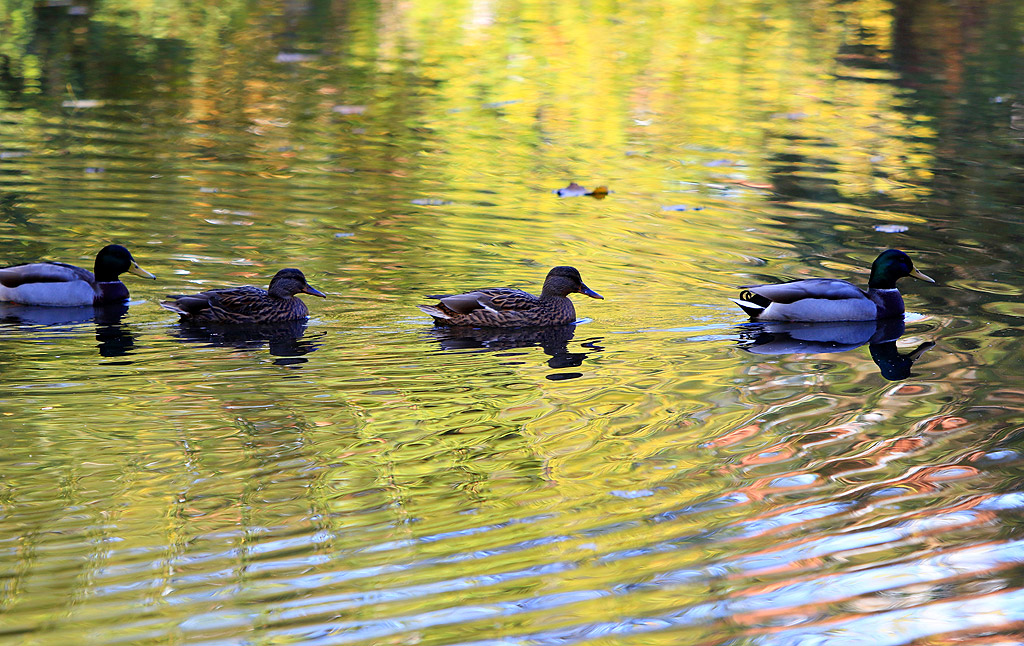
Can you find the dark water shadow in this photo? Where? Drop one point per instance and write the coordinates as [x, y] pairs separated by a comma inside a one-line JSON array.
[[115, 338], [770, 337], [553, 340], [285, 340]]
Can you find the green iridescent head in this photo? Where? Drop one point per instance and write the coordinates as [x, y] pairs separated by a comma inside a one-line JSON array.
[[890, 266], [113, 260]]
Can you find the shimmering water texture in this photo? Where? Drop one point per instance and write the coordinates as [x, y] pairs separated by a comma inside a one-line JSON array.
[[661, 471]]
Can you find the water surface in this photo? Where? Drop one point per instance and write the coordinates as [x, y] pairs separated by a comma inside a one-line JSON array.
[[660, 473]]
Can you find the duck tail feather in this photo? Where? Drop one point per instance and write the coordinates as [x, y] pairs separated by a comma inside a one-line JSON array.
[[753, 310], [171, 305], [436, 312]]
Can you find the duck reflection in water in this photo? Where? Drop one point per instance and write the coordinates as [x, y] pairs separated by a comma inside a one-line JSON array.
[[115, 338], [553, 339], [284, 339], [819, 338]]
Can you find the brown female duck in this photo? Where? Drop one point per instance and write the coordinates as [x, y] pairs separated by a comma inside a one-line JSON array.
[[247, 304], [507, 307]]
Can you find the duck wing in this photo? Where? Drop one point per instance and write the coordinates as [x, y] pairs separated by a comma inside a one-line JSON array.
[[824, 288], [498, 299], [235, 300], [241, 300], [43, 272]]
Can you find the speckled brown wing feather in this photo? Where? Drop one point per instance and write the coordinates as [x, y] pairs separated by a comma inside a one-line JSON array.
[[511, 299], [499, 307], [239, 300], [237, 305], [246, 301], [496, 298]]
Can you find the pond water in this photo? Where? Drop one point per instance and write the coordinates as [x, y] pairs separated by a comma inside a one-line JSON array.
[[660, 473]]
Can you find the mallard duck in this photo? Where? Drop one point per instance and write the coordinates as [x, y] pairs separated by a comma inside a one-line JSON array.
[[247, 304], [62, 285], [828, 299], [507, 307]]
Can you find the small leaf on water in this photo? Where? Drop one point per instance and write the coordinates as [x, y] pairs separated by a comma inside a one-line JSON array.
[[575, 190]]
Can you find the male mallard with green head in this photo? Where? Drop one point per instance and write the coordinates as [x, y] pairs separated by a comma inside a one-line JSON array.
[[59, 284], [247, 304], [828, 299], [507, 307]]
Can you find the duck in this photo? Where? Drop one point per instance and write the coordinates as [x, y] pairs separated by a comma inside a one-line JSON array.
[[829, 299], [508, 307], [58, 284], [247, 304]]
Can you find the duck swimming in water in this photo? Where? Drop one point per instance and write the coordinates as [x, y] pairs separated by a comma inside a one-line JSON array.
[[247, 304], [829, 299], [59, 284], [508, 307]]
